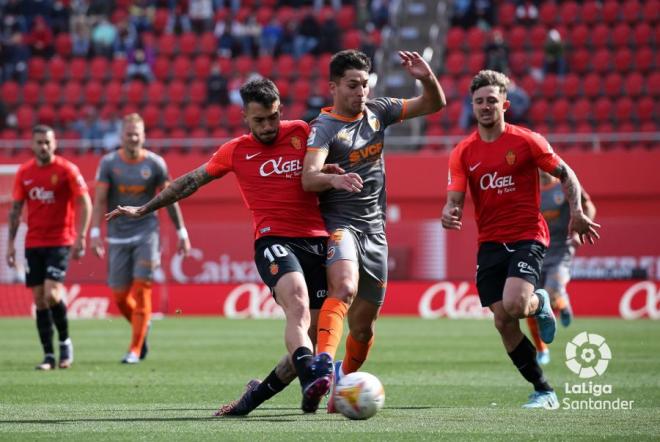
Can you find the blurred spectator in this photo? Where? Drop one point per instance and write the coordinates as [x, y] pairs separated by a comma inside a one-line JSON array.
[[380, 13], [462, 13], [484, 12], [249, 33], [527, 12], [12, 18], [520, 102], [288, 38], [497, 53], [98, 9], [307, 38], [466, 119], [60, 17], [126, 38], [318, 4], [90, 129], [315, 103], [103, 38], [16, 57], [554, 54], [228, 45], [31, 9], [329, 39], [80, 36], [41, 39], [362, 13], [140, 61], [271, 36], [217, 91], [142, 15], [178, 20], [3, 114], [201, 15], [111, 129]]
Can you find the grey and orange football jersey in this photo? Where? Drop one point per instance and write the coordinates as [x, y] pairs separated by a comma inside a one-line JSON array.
[[557, 213], [131, 183], [356, 145]]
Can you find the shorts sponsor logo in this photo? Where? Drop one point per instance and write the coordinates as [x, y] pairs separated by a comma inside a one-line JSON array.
[[288, 168], [588, 356], [41, 194], [510, 158], [492, 181], [331, 252], [274, 269], [525, 268]]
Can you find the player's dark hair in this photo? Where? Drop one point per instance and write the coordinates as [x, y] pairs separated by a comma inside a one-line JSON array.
[[259, 90], [347, 60], [490, 78], [42, 129]]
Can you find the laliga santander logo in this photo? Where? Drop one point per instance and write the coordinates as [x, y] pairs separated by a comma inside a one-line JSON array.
[[251, 301], [457, 303], [588, 355], [650, 307]]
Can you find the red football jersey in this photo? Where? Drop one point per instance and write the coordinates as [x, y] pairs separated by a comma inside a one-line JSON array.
[[269, 176], [504, 183], [50, 192]]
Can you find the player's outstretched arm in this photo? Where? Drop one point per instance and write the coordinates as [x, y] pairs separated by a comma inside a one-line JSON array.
[[580, 223], [452, 213], [14, 222], [84, 204], [433, 97], [180, 188], [317, 176]]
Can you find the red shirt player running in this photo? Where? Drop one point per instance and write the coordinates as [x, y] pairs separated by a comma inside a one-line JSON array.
[[499, 162], [51, 186], [290, 236]]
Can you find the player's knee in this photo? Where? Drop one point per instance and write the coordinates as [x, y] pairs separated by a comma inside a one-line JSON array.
[[344, 290], [515, 307]]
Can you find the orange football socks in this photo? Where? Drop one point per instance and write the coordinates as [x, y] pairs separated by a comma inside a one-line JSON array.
[[536, 337], [141, 314], [125, 303], [356, 354], [330, 326]]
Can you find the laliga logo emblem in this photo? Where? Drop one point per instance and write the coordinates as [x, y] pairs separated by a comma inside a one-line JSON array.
[[588, 355]]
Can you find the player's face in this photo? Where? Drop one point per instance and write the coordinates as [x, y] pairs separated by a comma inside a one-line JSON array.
[[488, 105], [43, 146], [350, 94], [132, 138], [263, 121]]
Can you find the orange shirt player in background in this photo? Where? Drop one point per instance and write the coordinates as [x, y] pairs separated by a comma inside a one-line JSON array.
[[51, 186]]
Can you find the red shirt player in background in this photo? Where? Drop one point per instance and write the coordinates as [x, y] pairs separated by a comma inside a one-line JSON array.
[[290, 236], [499, 162], [50, 185]]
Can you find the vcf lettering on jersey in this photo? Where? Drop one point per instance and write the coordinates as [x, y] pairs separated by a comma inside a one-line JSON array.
[[501, 184], [43, 195], [368, 153], [289, 168]]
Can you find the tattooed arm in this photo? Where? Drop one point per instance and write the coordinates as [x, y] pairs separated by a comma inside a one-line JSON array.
[[580, 223], [14, 222], [181, 188]]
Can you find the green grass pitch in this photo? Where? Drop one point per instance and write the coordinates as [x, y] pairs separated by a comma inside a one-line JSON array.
[[444, 380]]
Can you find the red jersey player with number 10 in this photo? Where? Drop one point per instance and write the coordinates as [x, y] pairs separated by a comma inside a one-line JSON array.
[[290, 235], [499, 162]]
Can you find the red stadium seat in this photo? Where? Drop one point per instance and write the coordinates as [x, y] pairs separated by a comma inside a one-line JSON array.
[[613, 84], [642, 34], [581, 110], [550, 86], [192, 116], [569, 13], [653, 84], [306, 66], [72, 93], [201, 67], [24, 117], [31, 93], [167, 45], [11, 92], [610, 11], [135, 93], [286, 66], [161, 68], [36, 69], [624, 109], [63, 45], [188, 44], [46, 115], [634, 84], [601, 61], [590, 12], [93, 93], [602, 109], [264, 15], [517, 38], [113, 93], [301, 92], [563, 128], [208, 44], [506, 14], [197, 92], [57, 69], [455, 64], [284, 86], [537, 37], [646, 109], [571, 86], [118, 68], [243, 65], [98, 68], [475, 39], [156, 92], [455, 39], [579, 36], [78, 69], [220, 134], [579, 61], [528, 83], [214, 115], [539, 112], [621, 35], [549, 13], [644, 59], [591, 85], [448, 86], [161, 16], [352, 39], [295, 111], [631, 11], [651, 11], [561, 109], [600, 36], [181, 68], [66, 114], [171, 116], [151, 115], [176, 92], [452, 114], [234, 116], [476, 61], [623, 60], [346, 18], [265, 65]]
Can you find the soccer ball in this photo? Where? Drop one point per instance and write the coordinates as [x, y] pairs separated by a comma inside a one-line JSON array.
[[359, 395]]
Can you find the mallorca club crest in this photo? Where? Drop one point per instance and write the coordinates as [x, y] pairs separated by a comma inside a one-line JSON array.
[[296, 143], [274, 268], [54, 179], [510, 158]]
